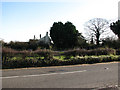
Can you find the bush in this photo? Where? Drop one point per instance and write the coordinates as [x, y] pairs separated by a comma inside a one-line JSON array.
[[20, 59], [83, 52], [118, 52], [48, 54], [111, 43], [8, 52], [20, 63]]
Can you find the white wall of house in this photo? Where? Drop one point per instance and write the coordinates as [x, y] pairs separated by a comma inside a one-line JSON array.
[[46, 39]]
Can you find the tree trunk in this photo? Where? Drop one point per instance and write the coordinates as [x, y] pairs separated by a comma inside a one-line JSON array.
[[97, 38], [98, 42]]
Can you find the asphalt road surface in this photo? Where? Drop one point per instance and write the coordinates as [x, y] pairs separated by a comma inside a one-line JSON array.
[[78, 76]]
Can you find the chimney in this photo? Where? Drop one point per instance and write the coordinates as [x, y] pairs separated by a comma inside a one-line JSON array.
[[46, 33]]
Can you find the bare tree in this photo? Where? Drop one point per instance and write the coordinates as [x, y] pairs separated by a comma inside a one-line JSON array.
[[96, 27]]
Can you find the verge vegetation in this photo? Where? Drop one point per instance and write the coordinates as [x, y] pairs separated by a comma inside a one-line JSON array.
[[43, 57]]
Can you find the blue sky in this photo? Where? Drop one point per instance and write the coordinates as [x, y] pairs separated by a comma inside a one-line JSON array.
[[22, 20]]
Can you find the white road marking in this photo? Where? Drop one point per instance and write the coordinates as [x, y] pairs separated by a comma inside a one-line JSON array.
[[42, 74]]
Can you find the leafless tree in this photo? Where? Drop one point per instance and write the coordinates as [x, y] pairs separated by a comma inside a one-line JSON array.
[[96, 27]]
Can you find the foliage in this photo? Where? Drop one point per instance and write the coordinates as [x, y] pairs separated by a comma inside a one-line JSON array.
[[111, 43], [22, 45], [81, 42], [8, 53], [64, 35], [115, 27], [118, 52], [83, 52], [20, 59], [20, 63]]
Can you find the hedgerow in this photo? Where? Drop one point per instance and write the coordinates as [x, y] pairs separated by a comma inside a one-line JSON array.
[[83, 52], [22, 59], [19, 63]]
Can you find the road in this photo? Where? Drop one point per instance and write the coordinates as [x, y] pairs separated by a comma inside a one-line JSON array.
[[78, 76]]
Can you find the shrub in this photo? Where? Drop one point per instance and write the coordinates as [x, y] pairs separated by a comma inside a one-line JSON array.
[[48, 54], [9, 53], [83, 52], [118, 52], [20, 59], [111, 43]]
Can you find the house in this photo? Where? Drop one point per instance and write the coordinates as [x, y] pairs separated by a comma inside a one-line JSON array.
[[45, 40]]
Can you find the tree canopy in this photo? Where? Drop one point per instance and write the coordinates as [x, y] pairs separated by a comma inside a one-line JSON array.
[[96, 27], [115, 27], [64, 35]]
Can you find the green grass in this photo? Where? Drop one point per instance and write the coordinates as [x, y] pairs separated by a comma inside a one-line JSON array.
[[59, 57], [27, 58], [34, 58], [61, 52], [100, 56], [63, 58], [15, 58]]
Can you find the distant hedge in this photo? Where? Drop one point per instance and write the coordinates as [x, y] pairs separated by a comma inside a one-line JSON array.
[[83, 52]]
